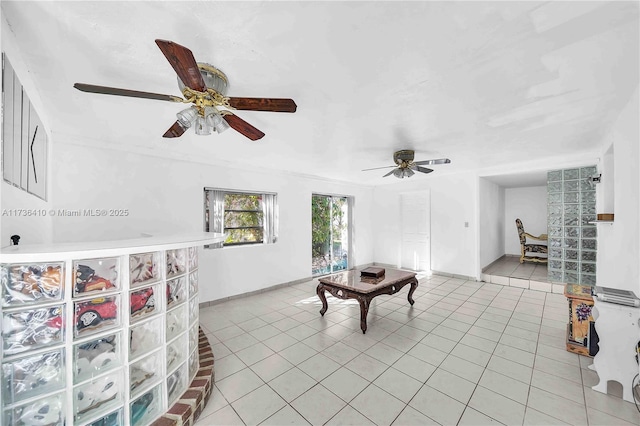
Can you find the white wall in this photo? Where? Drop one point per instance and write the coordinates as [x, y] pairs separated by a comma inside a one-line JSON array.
[[618, 243], [166, 196], [530, 205], [15, 206], [491, 199], [453, 202]]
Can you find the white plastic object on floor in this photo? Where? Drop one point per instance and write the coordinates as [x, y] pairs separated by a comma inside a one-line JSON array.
[[619, 333]]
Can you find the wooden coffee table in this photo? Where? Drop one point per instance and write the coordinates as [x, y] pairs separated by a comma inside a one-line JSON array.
[[350, 285]]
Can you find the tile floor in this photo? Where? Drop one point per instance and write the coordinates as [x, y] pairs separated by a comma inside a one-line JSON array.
[[510, 266], [467, 353]]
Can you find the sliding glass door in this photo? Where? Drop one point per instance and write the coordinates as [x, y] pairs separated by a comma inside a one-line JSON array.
[[329, 234]]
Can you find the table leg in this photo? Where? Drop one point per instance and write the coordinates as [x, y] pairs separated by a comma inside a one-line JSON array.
[[323, 299], [364, 310], [414, 285]]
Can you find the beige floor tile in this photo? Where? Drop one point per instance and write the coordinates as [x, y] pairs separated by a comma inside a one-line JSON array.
[[428, 354], [497, 407], [505, 386], [345, 383], [254, 353], [258, 405], [472, 417], [398, 384], [437, 406], [292, 383], [279, 342], [599, 418], [448, 333], [462, 368], [558, 386], [314, 412], [271, 367], [414, 367], [319, 366], [438, 342], [612, 405], [471, 354], [559, 369], [412, 417], [536, 418], [286, 416], [515, 355], [239, 384], [297, 353], [225, 416], [369, 403], [478, 343], [384, 353], [511, 369], [451, 385], [557, 407], [366, 366], [349, 416]]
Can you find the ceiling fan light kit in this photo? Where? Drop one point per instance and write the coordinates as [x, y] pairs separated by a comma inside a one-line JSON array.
[[406, 167], [204, 86]]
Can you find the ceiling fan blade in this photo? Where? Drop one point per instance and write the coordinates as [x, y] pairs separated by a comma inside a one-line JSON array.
[[243, 127], [422, 169], [377, 168], [390, 173], [432, 162], [175, 131], [125, 92], [263, 104], [184, 64]]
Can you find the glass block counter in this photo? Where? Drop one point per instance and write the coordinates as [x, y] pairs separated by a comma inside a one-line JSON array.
[[98, 333]]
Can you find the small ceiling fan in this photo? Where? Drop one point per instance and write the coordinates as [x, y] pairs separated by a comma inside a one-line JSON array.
[[405, 165], [205, 87]]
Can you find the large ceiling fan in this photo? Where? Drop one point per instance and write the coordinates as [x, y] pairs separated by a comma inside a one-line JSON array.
[[205, 87], [405, 165]]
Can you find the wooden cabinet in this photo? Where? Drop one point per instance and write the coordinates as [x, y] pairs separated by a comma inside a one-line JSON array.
[[580, 318]]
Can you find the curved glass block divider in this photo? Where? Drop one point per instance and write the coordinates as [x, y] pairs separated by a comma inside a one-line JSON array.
[[176, 262], [175, 353], [47, 410], [32, 283], [144, 268], [96, 352], [144, 372], [571, 209], [143, 302], [32, 329], [145, 337], [94, 276], [97, 355], [176, 291], [147, 407], [177, 383], [31, 375], [99, 394]]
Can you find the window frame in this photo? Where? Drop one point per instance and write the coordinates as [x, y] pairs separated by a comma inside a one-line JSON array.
[[269, 217]]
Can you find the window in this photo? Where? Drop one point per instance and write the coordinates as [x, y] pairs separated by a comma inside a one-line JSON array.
[[244, 217], [24, 140]]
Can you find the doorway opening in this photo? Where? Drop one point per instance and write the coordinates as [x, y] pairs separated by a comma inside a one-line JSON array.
[[330, 229]]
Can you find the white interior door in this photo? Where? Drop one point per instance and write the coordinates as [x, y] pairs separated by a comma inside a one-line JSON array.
[[416, 231]]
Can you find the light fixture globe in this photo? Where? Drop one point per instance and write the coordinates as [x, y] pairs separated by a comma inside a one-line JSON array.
[[213, 79]]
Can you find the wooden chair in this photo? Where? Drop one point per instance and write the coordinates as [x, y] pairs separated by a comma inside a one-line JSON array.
[[531, 248]]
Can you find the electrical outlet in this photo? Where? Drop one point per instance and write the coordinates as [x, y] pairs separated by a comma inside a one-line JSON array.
[[466, 224]]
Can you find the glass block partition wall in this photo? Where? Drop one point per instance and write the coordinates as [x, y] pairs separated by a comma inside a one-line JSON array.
[[571, 206]]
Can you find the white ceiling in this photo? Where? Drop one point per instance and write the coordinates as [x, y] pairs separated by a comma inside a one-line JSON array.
[[482, 83]]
